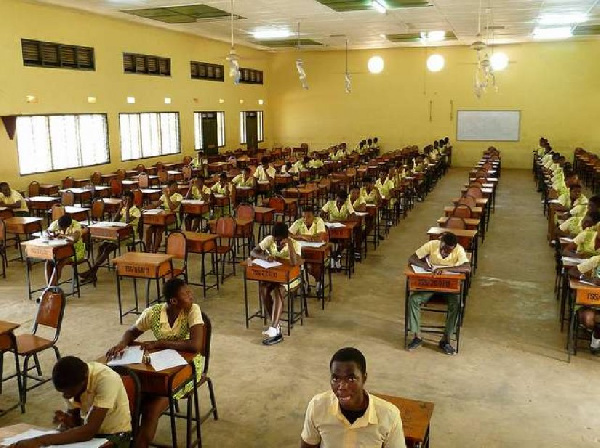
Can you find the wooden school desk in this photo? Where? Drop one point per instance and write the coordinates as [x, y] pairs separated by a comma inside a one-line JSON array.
[[264, 216], [444, 283], [129, 184], [582, 294], [466, 238], [195, 208], [283, 275], [111, 205], [106, 178], [204, 243], [8, 343], [78, 213], [472, 224], [141, 265], [22, 226], [41, 204], [484, 204], [53, 250], [6, 213], [162, 218], [48, 190], [416, 419], [116, 233], [150, 194], [319, 256], [346, 237]]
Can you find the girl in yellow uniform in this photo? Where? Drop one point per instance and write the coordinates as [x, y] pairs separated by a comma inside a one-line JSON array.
[[197, 191], [67, 228], [170, 201]]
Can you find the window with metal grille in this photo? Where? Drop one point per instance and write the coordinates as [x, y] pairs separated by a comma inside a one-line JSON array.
[[251, 76], [206, 71], [146, 64], [54, 55]]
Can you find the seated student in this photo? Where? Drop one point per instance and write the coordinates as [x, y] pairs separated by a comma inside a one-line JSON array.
[[175, 324], [587, 242], [286, 167], [339, 154], [221, 188], [418, 165], [310, 228], [127, 213], [315, 163], [264, 172], [580, 206], [348, 416], [376, 144], [568, 199], [244, 179], [589, 271], [296, 167], [437, 256], [574, 226], [357, 200], [369, 192], [12, 199], [197, 191], [170, 201], [197, 161], [277, 246], [98, 406], [67, 228], [339, 209], [385, 185]]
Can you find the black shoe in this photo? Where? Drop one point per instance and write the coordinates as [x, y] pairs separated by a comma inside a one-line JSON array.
[[447, 348], [415, 344], [274, 340], [595, 351]]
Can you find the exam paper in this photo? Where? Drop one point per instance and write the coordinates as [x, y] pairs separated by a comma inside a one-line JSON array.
[[94, 443], [573, 260], [29, 434], [266, 264], [419, 269], [131, 355], [304, 244], [334, 225], [166, 359], [153, 211], [361, 213]]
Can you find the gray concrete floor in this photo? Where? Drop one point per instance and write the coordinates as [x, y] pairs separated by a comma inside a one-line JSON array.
[[509, 386]]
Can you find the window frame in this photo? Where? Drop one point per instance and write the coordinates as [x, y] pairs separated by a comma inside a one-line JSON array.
[[222, 112], [76, 49], [153, 112], [56, 170], [260, 126]]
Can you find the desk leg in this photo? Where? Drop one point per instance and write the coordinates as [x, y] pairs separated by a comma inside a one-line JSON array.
[[119, 298], [28, 276], [290, 310], [246, 296], [406, 296], [203, 276]]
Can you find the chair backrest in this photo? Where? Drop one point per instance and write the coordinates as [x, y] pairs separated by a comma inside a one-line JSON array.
[[456, 222], [96, 178], [277, 203], [2, 232], [57, 211], [138, 197], [34, 189], [67, 198], [187, 160], [143, 181], [475, 184], [474, 192], [163, 176], [133, 388], [244, 211], [187, 172], [177, 245], [140, 168], [51, 310], [226, 227], [159, 166], [467, 200], [98, 209], [462, 211], [116, 188], [121, 174], [68, 182]]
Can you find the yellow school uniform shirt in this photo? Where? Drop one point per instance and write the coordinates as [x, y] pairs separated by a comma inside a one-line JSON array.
[[385, 188], [360, 201], [14, 198], [431, 249], [175, 197], [299, 227], [239, 181], [192, 317], [579, 207], [134, 217], [586, 242], [371, 197], [565, 199], [296, 167], [105, 390], [340, 154], [315, 163], [546, 157], [590, 265], [263, 175], [75, 226], [572, 225], [338, 214], [220, 189], [325, 425], [196, 192]]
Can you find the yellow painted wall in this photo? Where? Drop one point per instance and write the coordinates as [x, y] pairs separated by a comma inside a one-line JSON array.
[[555, 85], [66, 91]]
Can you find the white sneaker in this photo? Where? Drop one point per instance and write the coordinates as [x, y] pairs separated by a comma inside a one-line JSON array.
[[595, 342], [333, 263], [272, 331], [338, 264]]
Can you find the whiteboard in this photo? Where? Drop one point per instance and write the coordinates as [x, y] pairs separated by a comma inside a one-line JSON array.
[[488, 125]]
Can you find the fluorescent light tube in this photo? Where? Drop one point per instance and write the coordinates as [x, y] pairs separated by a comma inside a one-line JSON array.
[[553, 33], [562, 19], [379, 6], [271, 34]]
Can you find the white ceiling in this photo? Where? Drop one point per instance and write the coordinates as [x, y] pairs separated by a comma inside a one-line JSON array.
[[363, 29]]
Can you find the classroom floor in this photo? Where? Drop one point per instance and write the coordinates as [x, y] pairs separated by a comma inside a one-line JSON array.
[[509, 385]]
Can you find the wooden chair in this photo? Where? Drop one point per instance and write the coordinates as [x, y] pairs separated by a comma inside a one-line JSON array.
[[116, 188], [67, 182], [50, 314], [187, 172], [67, 198], [133, 387], [121, 174], [57, 211], [3, 247], [467, 200], [97, 210], [455, 222], [177, 247], [278, 204], [159, 166], [187, 160], [138, 197], [163, 177], [96, 178], [462, 211], [33, 189], [245, 211], [226, 229], [143, 180], [474, 192], [140, 168]]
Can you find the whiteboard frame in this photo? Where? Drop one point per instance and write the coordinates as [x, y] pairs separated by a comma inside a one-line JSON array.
[[479, 110]]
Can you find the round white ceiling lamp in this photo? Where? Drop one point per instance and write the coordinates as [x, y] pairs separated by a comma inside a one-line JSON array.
[[499, 61], [375, 64], [435, 62]]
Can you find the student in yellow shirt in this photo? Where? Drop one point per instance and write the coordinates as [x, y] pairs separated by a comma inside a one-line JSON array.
[[12, 199], [277, 246], [244, 179], [568, 199], [265, 172], [97, 402], [67, 228], [347, 415], [128, 213], [385, 185], [587, 242], [437, 256], [286, 167], [339, 209], [369, 192], [221, 188], [589, 270], [170, 201], [176, 324], [357, 200], [197, 191]]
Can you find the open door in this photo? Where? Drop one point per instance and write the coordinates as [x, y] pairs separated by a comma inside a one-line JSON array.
[[210, 133], [251, 130]]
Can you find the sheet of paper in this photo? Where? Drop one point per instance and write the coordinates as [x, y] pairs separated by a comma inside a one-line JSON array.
[[44, 242], [361, 213], [554, 201], [192, 201], [566, 240], [166, 359], [585, 282], [94, 443], [304, 244], [334, 225], [29, 434], [153, 211], [572, 260], [419, 269], [131, 355], [266, 264], [220, 196]]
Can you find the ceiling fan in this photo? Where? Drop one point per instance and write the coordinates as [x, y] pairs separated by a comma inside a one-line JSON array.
[[300, 64], [233, 58], [484, 73]]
